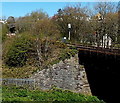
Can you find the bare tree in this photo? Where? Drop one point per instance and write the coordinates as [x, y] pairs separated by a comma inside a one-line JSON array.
[[107, 21]]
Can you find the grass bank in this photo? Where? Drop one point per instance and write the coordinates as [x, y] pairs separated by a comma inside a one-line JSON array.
[[20, 94]]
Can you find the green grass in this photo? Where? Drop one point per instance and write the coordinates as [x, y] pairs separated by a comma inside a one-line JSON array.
[[16, 94]]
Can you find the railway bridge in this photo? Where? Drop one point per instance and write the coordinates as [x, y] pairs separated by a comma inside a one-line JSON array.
[[102, 66]]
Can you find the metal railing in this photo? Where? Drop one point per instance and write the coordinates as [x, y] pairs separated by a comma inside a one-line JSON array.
[[19, 82], [97, 49]]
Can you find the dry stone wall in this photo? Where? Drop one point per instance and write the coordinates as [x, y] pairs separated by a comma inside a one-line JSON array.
[[67, 74]]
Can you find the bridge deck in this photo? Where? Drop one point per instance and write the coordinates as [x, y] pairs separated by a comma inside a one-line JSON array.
[[108, 51]]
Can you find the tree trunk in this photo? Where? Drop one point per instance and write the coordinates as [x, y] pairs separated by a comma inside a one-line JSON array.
[[38, 45]]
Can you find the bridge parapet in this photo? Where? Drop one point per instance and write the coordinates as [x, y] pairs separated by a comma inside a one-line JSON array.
[[109, 51]]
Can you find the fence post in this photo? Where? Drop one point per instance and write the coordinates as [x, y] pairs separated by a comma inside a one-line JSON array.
[[34, 83]]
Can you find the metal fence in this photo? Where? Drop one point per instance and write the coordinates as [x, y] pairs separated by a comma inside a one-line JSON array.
[[19, 82]]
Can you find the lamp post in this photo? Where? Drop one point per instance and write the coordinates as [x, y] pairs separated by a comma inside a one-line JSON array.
[[69, 27]]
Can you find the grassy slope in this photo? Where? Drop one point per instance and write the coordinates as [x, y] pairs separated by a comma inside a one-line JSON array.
[[55, 94]]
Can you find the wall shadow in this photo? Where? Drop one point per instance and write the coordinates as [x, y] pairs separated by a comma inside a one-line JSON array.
[[103, 73]]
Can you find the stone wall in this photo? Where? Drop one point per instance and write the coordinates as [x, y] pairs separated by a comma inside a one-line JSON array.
[[67, 74]]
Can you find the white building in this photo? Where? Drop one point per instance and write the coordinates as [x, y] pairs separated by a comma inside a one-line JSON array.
[[3, 22], [106, 42]]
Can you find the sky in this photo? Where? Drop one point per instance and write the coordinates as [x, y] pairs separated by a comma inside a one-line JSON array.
[[18, 9]]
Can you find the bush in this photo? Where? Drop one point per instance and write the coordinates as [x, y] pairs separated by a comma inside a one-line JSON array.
[[117, 46], [67, 53], [4, 31], [17, 53]]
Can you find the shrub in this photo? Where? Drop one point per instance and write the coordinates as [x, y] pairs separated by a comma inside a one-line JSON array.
[[4, 31], [67, 53], [117, 46], [17, 53]]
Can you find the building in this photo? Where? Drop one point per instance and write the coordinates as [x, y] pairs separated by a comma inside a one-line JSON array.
[[106, 41], [3, 21]]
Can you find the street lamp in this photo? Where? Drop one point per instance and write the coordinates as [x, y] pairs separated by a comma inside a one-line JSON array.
[[69, 27]]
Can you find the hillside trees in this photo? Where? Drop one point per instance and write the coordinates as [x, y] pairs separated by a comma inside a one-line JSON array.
[[106, 22], [38, 24], [118, 22], [45, 31], [35, 32], [25, 23], [75, 15], [112, 26], [84, 25]]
